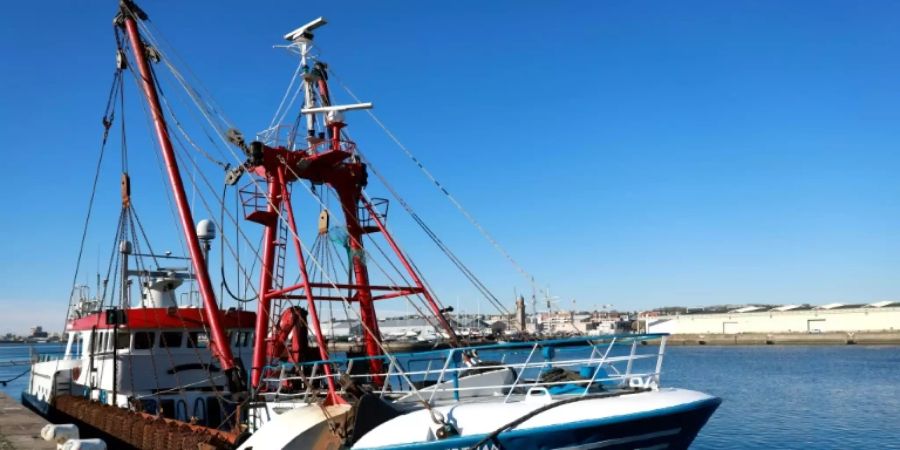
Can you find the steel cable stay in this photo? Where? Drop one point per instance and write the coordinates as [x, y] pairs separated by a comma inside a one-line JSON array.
[[476, 282], [108, 118], [237, 256], [487, 235], [168, 195]]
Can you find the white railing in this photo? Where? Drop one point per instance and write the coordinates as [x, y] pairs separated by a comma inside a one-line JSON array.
[[576, 366]]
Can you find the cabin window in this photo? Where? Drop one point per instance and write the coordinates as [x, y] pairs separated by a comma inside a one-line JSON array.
[[143, 340], [104, 341], [170, 339], [197, 339], [241, 338], [122, 339]]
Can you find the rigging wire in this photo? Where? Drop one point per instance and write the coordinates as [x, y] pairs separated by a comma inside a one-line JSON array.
[[490, 238], [222, 260], [108, 118]]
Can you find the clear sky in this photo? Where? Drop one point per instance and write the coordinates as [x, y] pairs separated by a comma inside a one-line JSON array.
[[638, 154]]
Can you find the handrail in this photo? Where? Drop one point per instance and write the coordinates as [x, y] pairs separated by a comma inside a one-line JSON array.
[[454, 379], [500, 346]]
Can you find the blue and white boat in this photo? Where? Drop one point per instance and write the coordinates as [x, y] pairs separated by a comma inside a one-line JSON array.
[[579, 393]]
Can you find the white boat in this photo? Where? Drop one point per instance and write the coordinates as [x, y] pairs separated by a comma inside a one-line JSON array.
[[586, 392]]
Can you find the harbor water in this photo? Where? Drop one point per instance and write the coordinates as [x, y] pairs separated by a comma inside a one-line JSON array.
[[785, 397]]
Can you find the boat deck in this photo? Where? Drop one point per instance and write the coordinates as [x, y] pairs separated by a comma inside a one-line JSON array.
[[20, 428]]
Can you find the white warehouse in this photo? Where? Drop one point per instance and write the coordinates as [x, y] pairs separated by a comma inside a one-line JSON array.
[[835, 317]]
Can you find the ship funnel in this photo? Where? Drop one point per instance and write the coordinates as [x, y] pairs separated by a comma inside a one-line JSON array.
[[160, 292]]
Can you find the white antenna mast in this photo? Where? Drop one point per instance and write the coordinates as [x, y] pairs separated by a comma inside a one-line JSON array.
[[303, 38]]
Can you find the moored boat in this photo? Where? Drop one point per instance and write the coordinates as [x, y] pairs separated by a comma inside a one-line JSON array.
[[273, 379]]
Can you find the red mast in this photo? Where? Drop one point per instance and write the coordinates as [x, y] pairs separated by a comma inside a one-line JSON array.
[[334, 162], [220, 345]]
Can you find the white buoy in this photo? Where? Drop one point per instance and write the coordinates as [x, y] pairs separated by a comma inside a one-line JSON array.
[[85, 444], [59, 433]]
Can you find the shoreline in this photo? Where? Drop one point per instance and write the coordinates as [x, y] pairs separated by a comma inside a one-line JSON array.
[[830, 338]]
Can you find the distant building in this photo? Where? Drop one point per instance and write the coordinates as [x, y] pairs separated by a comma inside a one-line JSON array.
[[521, 316], [833, 317], [38, 333], [407, 327]]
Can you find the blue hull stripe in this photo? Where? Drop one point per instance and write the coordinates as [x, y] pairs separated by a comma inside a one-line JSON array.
[[626, 440]]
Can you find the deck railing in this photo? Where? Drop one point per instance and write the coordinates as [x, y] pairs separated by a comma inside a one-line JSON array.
[[575, 366]]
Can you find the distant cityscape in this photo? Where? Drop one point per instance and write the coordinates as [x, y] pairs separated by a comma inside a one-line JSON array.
[[722, 319], [36, 335]]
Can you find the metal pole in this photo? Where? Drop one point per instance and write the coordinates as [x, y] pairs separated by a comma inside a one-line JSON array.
[[313, 314], [211, 310], [263, 308], [349, 198]]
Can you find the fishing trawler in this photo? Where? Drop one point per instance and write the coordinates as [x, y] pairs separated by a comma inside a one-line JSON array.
[[182, 368]]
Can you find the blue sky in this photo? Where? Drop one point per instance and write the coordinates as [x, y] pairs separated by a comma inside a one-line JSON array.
[[638, 154]]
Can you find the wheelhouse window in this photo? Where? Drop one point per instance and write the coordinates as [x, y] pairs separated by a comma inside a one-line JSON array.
[[241, 338], [170, 339], [143, 340], [122, 339], [197, 339]]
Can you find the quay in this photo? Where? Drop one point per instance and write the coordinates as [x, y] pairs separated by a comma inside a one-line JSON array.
[[20, 428], [830, 338]]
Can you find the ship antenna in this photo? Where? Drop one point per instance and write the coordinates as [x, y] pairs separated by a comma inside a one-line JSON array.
[[302, 40]]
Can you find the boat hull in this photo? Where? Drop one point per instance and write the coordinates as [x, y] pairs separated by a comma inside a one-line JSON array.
[[85, 430], [674, 427]]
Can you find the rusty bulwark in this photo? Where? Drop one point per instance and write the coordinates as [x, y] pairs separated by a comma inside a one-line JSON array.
[[144, 431]]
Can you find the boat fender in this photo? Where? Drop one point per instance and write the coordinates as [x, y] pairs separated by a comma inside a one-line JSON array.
[[59, 433], [84, 444]]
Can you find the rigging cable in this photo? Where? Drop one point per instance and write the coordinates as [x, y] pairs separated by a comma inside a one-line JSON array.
[[490, 238], [108, 118], [222, 250]]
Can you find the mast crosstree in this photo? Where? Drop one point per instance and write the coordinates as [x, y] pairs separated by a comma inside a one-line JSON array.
[[327, 158]]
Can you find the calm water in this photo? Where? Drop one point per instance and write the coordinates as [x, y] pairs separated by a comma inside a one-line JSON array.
[[19, 352], [842, 397]]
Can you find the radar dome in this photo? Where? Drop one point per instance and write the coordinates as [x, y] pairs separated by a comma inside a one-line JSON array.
[[206, 230]]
